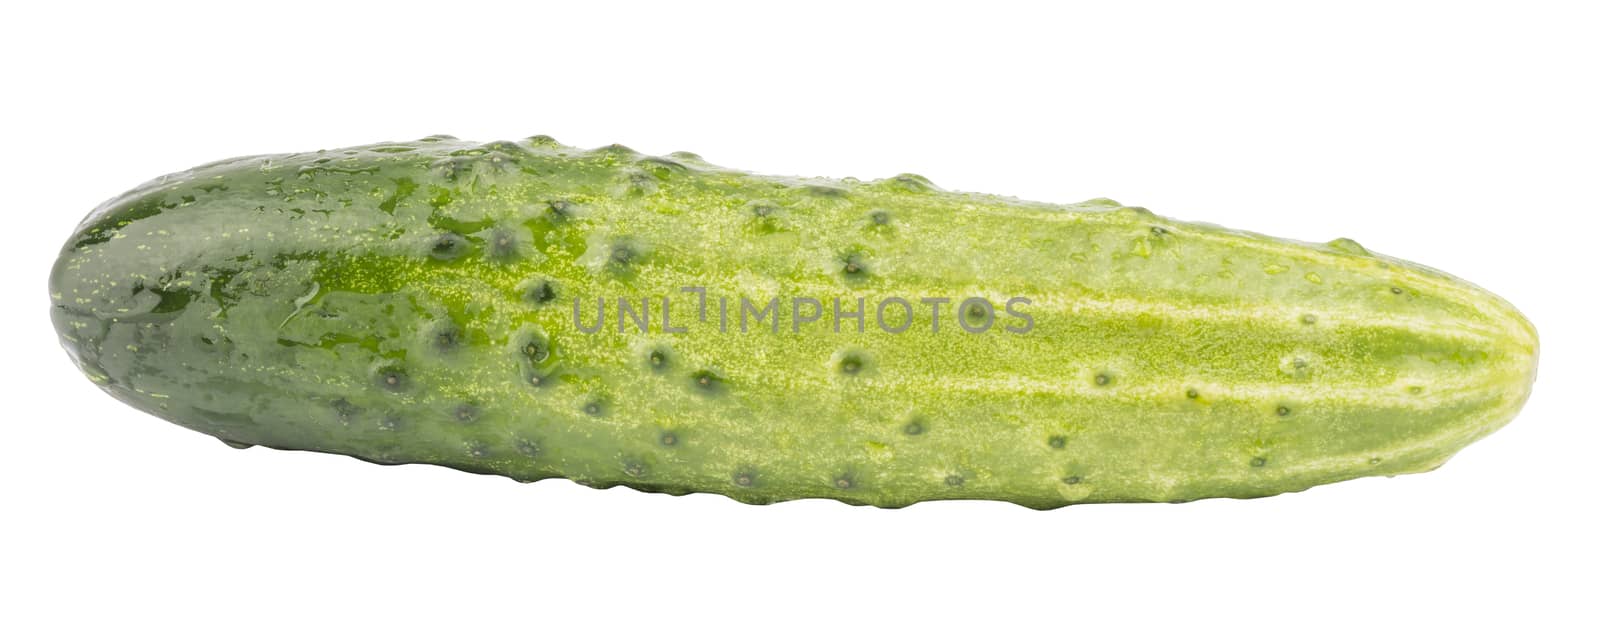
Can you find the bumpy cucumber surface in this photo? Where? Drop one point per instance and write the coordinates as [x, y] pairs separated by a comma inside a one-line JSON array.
[[434, 302]]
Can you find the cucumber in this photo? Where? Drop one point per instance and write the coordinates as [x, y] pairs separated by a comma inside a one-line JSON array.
[[535, 310]]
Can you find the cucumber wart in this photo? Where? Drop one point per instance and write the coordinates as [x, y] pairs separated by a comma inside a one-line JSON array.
[[535, 310]]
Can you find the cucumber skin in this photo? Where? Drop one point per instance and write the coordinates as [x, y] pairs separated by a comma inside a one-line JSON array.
[[319, 301]]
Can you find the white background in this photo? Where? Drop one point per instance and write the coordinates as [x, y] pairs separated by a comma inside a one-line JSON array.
[[1462, 135]]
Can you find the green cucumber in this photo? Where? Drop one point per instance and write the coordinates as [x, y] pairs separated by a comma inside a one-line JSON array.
[[436, 302]]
